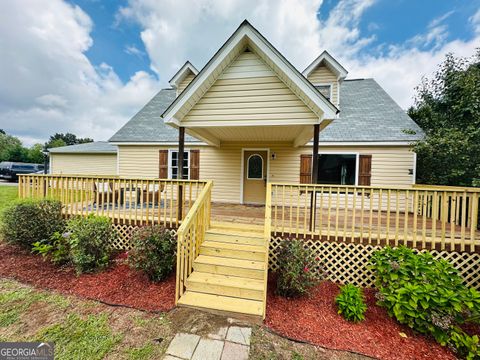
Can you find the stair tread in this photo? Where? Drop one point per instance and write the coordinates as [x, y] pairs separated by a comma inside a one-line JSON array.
[[230, 262], [240, 234], [238, 227], [222, 303], [231, 246], [226, 280]]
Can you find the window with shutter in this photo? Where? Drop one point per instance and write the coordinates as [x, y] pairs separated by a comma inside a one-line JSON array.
[[194, 164], [365, 170], [163, 164]]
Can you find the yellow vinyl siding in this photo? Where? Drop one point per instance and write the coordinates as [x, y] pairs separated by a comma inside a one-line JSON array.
[[223, 165], [84, 164], [322, 76], [184, 83], [248, 90]]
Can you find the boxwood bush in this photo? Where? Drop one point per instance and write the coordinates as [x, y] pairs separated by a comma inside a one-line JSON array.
[[299, 269], [153, 252], [429, 296], [90, 240], [351, 303], [28, 221]]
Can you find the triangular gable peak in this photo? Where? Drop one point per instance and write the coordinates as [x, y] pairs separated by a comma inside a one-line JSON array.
[[183, 77], [325, 59], [247, 39]]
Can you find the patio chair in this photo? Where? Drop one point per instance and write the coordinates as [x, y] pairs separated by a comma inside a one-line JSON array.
[[105, 191], [151, 193]]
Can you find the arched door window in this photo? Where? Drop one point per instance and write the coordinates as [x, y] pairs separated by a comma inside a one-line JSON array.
[[255, 167]]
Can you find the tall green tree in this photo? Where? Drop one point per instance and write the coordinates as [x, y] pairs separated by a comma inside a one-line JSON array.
[[60, 139], [8, 144], [447, 108]]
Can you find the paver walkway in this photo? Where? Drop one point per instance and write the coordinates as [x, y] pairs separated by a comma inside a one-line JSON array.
[[228, 343]]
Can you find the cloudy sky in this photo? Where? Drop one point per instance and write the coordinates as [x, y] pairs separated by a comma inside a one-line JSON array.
[[86, 66]]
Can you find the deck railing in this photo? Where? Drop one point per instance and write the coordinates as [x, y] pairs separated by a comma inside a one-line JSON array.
[[421, 217], [128, 200], [267, 237], [190, 236]]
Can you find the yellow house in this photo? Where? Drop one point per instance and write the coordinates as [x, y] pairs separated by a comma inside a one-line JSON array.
[[250, 116]]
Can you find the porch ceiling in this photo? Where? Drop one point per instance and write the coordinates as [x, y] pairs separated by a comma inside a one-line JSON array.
[[298, 135]]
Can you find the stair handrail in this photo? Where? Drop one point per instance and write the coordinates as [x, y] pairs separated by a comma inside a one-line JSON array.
[[190, 236], [267, 236]]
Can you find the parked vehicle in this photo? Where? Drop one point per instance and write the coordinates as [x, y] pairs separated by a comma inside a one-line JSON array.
[[11, 170]]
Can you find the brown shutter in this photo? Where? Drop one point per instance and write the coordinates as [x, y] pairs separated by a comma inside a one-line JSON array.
[[305, 169], [163, 164], [365, 170], [194, 164]]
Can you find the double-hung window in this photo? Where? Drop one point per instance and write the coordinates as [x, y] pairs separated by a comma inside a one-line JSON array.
[[173, 164]]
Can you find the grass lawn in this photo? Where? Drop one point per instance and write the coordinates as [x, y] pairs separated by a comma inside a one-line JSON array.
[[85, 329], [7, 195]]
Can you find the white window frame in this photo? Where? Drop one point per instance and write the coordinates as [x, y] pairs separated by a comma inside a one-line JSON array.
[[357, 161], [331, 89], [248, 163], [170, 151]]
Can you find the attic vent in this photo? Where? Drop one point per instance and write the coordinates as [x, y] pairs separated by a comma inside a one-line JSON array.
[[247, 50]]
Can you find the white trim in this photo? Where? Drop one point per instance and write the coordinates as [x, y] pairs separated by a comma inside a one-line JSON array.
[[170, 162], [357, 159], [167, 143], [246, 31], [50, 164], [414, 175], [326, 84], [242, 167], [248, 161], [340, 71], [182, 73], [360, 143]]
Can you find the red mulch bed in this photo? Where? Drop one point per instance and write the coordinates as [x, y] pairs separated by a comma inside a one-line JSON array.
[[118, 285], [314, 319]]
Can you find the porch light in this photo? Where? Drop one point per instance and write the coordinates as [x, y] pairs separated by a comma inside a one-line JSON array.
[[273, 156]]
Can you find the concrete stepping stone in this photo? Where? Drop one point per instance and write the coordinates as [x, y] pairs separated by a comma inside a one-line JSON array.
[[233, 351], [208, 349], [183, 345], [239, 335]]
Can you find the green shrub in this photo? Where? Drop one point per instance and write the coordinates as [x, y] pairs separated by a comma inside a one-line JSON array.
[[298, 270], [428, 295], [57, 248], [153, 252], [28, 221], [351, 303], [89, 239]]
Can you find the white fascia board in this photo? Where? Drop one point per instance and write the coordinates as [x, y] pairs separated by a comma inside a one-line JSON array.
[[332, 62], [247, 31], [361, 143], [182, 73]]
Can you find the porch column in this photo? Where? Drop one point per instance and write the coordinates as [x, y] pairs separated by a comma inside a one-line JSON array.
[[313, 199], [181, 149], [316, 133]]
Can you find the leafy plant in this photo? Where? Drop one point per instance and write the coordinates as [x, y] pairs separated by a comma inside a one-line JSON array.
[[153, 252], [351, 303], [89, 240], [298, 270], [57, 249], [29, 221], [428, 295]]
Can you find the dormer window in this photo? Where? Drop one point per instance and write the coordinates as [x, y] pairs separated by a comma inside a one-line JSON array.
[[325, 90]]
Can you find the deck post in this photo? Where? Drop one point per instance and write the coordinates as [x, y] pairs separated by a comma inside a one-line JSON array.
[[181, 150], [313, 199]]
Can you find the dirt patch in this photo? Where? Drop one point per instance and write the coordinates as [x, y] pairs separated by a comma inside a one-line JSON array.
[[118, 285], [314, 319]]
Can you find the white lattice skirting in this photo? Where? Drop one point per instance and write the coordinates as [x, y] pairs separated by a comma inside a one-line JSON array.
[[344, 263], [347, 263]]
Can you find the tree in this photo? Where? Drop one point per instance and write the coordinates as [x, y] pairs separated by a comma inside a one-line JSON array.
[[60, 139], [447, 108], [35, 154], [8, 145]]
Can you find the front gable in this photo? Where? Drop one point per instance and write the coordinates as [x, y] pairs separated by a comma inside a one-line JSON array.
[[244, 85], [249, 91]]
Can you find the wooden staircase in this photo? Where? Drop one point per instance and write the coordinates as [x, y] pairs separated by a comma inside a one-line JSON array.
[[229, 273]]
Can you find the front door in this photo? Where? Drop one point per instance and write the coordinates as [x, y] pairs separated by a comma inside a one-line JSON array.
[[254, 176]]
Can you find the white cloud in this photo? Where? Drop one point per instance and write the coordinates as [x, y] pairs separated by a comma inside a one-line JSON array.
[[475, 21], [49, 85]]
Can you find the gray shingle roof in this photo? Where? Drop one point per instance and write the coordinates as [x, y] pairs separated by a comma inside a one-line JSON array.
[[367, 114], [147, 126], [93, 147]]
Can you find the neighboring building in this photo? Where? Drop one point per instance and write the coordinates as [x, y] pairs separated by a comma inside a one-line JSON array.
[[249, 116]]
